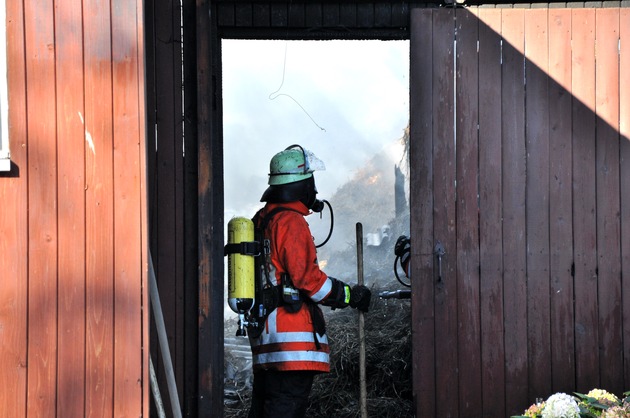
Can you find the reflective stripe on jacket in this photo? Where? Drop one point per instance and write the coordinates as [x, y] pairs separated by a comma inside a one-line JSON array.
[[288, 341]]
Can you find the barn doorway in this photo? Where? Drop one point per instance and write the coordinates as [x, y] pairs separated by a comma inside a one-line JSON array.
[[348, 102]]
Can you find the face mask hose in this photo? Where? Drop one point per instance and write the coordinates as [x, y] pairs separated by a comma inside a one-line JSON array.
[[318, 207]]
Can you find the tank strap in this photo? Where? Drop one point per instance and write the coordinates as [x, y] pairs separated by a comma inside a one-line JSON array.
[[244, 248]]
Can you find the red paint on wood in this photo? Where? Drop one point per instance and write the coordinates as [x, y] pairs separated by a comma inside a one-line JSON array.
[[128, 257], [99, 210], [43, 207], [71, 215]]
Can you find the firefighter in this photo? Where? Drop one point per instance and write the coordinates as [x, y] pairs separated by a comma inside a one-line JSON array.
[[292, 347]]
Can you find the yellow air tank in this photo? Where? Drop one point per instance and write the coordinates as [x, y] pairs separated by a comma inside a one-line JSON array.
[[241, 268]]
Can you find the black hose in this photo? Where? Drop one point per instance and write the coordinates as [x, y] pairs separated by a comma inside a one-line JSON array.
[[396, 273], [332, 222]]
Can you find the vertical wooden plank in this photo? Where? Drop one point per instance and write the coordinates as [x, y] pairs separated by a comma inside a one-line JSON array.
[[14, 228], [151, 104], [513, 192], [99, 209], [42, 200], [583, 188], [490, 234], [144, 215], [608, 222], [400, 13], [421, 202], [560, 225], [210, 210], [226, 14], [446, 347], [624, 163], [178, 136], [128, 385], [279, 15], [243, 14], [467, 213], [330, 15], [382, 14], [313, 14], [347, 14], [296, 15], [537, 202], [168, 259], [204, 89], [365, 14], [261, 14], [71, 216], [191, 229]]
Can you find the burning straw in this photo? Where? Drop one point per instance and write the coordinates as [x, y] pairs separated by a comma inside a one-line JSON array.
[[388, 365]]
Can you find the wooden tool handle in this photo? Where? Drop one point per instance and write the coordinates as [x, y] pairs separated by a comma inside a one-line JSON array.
[[362, 379]]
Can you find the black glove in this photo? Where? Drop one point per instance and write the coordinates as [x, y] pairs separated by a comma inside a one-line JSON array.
[[339, 294], [360, 298]]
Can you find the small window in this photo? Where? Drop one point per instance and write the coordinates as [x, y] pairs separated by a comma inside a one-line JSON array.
[[5, 155]]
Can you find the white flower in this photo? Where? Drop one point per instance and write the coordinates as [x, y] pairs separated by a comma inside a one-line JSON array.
[[561, 405]]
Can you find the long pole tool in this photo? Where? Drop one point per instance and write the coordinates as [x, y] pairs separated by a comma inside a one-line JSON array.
[[362, 380]]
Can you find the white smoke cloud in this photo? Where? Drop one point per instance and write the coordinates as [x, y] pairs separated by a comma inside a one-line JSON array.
[[357, 91]]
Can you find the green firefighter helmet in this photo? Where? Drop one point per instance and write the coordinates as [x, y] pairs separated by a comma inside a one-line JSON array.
[[292, 165]]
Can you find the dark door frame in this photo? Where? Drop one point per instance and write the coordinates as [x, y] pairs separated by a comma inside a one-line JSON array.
[[214, 21]]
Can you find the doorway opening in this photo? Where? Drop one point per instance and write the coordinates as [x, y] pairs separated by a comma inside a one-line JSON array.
[[348, 103]]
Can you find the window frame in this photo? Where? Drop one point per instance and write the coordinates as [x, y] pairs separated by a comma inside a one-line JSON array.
[[5, 154]]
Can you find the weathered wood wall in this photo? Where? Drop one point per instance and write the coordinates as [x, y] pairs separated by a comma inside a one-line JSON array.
[[477, 344], [73, 301], [520, 147]]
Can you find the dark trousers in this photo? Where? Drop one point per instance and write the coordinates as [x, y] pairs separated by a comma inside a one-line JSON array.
[[281, 394]]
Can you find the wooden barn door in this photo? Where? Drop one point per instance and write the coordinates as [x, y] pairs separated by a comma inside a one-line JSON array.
[[520, 184]]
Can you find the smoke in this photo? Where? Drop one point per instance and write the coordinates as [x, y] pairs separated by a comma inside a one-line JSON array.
[[334, 83], [369, 198]]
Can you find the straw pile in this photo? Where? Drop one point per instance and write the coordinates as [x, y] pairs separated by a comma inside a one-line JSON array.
[[388, 365]]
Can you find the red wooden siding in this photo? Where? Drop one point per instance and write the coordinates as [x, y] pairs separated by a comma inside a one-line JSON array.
[[42, 203], [73, 319], [71, 214], [520, 169]]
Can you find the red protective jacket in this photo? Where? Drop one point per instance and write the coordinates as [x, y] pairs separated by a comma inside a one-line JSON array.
[[288, 341]]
